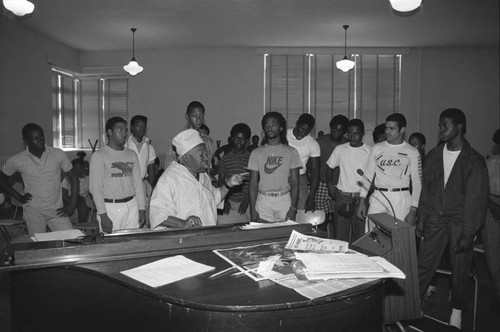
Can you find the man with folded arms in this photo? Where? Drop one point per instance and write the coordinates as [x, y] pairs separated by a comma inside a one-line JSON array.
[[184, 196], [115, 181]]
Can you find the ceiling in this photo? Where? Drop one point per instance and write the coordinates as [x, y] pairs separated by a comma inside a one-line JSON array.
[[104, 25]]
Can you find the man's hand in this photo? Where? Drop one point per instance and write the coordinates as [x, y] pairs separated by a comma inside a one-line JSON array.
[[142, 219], [411, 217], [192, 222], [66, 210], [310, 204], [420, 228], [244, 206], [24, 198], [234, 180], [227, 207], [254, 216], [361, 210], [464, 244], [290, 215], [106, 223]]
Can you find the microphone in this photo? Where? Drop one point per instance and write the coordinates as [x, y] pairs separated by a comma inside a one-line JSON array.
[[360, 172]]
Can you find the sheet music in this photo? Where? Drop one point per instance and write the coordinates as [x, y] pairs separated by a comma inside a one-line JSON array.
[[298, 241], [58, 235], [337, 263], [167, 270], [258, 225]]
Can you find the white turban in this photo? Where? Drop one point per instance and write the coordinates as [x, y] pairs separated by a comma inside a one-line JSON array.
[[186, 140]]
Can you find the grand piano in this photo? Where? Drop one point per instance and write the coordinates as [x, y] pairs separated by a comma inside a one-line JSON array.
[[64, 286]]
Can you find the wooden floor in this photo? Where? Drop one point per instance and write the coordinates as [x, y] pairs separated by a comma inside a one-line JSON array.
[[438, 305]]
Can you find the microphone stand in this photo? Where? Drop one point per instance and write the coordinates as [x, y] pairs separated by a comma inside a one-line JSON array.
[[360, 172]]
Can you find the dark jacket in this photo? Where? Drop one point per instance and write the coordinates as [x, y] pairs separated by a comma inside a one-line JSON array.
[[465, 198]]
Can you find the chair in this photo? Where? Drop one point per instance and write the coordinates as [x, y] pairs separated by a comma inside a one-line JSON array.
[[477, 249]]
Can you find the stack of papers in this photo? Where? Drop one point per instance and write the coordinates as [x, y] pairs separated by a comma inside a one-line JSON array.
[[58, 235], [341, 266], [167, 270]]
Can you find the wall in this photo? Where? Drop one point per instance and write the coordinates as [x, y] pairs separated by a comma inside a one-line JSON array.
[[228, 81], [467, 79], [25, 82]]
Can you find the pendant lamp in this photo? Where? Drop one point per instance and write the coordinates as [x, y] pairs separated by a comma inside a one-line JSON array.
[[405, 5], [345, 64], [133, 67], [19, 7]]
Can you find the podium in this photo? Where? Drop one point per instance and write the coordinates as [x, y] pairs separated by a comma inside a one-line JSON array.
[[396, 243]]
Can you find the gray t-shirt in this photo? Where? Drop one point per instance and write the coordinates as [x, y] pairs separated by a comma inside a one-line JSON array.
[[274, 162]]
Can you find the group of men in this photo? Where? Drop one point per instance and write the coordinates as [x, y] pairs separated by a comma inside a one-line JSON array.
[[290, 170]]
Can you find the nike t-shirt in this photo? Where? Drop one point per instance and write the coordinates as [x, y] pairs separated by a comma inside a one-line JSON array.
[[274, 162]]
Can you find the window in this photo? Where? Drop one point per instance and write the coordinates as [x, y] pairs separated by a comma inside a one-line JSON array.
[[81, 105], [308, 83]]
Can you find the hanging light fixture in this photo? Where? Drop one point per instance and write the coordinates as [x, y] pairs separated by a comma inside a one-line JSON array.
[[19, 7], [405, 5], [345, 64], [133, 68]]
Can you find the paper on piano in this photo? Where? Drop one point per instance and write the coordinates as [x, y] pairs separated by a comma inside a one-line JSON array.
[[258, 225], [167, 270], [298, 241], [341, 266], [58, 235]]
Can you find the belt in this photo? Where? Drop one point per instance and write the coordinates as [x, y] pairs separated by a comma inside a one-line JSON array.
[[274, 193], [392, 189], [343, 193], [120, 200]]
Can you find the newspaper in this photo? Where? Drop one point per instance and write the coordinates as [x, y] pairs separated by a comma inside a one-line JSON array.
[[299, 241]]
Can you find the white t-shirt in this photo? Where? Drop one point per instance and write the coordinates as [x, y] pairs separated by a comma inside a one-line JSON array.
[[349, 159], [449, 158], [145, 153], [307, 148], [493, 165]]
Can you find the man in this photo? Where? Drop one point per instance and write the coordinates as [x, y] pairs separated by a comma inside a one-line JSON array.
[[349, 157], [308, 150], [184, 196], [452, 208], [235, 162], [391, 166], [272, 196], [115, 181], [255, 143], [195, 115], [141, 145], [40, 167], [327, 143]]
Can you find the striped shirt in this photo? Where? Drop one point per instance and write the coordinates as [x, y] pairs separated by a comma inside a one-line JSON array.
[[234, 163]]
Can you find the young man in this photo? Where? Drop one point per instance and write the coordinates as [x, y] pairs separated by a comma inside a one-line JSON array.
[[82, 210], [349, 157], [184, 197], [452, 208], [255, 143], [146, 154], [195, 115], [115, 181], [272, 197], [235, 162], [417, 140], [391, 166], [309, 151], [327, 143], [40, 167]]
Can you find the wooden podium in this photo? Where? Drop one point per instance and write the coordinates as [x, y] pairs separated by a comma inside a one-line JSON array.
[[396, 243]]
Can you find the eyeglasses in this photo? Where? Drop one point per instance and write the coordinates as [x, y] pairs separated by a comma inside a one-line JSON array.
[[87, 239]]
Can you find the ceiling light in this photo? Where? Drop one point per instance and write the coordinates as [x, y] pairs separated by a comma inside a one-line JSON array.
[[345, 64], [405, 5], [133, 68], [19, 7]]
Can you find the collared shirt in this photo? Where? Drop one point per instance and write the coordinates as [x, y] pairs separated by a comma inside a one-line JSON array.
[[145, 153], [42, 177], [179, 194]]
